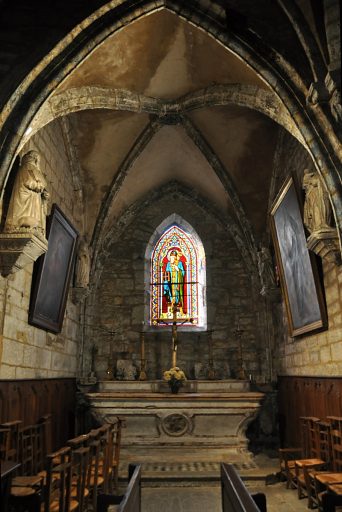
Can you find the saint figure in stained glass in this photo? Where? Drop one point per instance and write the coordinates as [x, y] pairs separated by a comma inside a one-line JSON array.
[[177, 278], [174, 281]]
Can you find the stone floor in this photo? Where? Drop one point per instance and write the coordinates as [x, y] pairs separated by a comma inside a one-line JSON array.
[[195, 486], [207, 498]]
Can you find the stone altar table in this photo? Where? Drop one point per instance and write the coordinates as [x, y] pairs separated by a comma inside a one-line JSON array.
[[205, 421]]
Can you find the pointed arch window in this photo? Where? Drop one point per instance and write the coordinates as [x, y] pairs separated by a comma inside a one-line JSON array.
[[178, 278]]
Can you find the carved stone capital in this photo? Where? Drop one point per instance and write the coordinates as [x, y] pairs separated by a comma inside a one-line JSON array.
[[324, 243], [20, 249]]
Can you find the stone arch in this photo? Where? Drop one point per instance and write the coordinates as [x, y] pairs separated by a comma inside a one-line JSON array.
[[177, 221], [114, 232], [92, 97], [115, 15]]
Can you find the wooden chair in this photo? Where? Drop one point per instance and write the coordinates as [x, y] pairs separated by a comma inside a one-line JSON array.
[[331, 498], [11, 447], [98, 442], [80, 470], [28, 485], [94, 479], [306, 471], [287, 458], [333, 475], [106, 455], [117, 435], [57, 491], [130, 501], [307, 454], [5, 436], [82, 474], [111, 433]]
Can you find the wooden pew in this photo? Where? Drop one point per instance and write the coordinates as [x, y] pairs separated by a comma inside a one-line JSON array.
[[130, 501], [235, 496]]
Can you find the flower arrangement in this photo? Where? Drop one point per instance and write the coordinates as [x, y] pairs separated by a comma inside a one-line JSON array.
[[175, 377]]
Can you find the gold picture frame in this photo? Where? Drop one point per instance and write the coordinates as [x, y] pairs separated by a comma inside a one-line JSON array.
[[298, 272]]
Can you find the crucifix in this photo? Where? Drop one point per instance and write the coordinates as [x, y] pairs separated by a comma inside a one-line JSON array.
[[174, 338]]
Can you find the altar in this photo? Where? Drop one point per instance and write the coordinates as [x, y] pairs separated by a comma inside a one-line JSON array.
[[205, 421]]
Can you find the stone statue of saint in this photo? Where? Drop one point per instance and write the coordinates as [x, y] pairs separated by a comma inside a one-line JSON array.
[[29, 200], [265, 269], [82, 265], [317, 208]]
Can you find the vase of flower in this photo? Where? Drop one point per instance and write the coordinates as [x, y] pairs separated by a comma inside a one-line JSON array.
[[174, 377], [175, 385]]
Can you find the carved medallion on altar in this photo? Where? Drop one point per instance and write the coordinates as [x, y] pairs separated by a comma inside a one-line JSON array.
[[176, 424]]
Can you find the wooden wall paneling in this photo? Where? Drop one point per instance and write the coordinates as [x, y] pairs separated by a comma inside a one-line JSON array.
[[2, 403], [15, 409], [29, 400], [306, 396], [30, 403]]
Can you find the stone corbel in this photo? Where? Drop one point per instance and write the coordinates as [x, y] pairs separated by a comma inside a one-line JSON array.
[[332, 81], [78, 294], [317, 94], [325, 244], [20, 249]]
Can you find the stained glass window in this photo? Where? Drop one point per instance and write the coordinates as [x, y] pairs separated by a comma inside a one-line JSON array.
[[178, 278]]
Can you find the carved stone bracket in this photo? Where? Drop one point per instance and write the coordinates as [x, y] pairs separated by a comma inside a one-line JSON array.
[[78, 294], [333, 85], [20, 249], [272, 293], [317, 94], [325, 244]]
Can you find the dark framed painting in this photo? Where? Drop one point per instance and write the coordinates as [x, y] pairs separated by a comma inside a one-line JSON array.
[[52, 273], [299, 279]]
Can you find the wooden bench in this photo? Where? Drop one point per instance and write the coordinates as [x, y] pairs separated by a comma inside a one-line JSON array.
[[235, 496], [130, 501]]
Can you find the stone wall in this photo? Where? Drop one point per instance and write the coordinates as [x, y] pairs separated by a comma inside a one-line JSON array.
[[120, 300], [318, 353], [26, 351]]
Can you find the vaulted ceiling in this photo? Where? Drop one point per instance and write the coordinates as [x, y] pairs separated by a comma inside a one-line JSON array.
[[222, 151], [161, 100]]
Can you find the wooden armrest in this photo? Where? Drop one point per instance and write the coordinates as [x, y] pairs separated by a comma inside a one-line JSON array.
[[290, 450]]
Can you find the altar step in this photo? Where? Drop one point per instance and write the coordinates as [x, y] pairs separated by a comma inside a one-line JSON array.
[[187, 473]]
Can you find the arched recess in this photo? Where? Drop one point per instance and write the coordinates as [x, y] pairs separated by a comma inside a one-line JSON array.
[[117, 227], [175, 274], [316, 129]]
